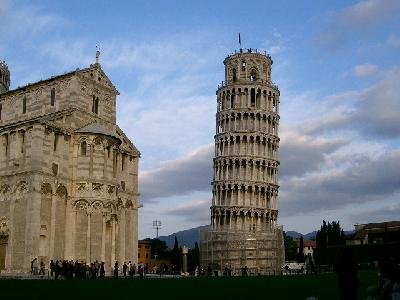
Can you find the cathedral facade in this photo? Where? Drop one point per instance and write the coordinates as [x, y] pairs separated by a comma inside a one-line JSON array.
[[68, 173], [244, 234]]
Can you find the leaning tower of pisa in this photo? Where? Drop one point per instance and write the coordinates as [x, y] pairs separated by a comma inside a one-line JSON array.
[[244, 231]]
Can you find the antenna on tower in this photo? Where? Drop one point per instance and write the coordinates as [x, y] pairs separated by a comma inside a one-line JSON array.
[[156, 226]]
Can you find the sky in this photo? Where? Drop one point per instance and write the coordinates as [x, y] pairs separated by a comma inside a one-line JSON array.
[[336, 63]]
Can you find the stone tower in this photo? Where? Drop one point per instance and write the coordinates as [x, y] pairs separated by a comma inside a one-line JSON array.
[[4, 77], [245, 185]]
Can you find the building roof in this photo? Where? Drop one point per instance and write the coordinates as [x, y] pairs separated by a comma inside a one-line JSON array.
[[381, 225], [57, 77], [363, 229], [306, 243], [97, 129]]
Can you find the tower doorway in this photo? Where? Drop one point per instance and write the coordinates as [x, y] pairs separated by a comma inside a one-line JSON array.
[[3, 251]]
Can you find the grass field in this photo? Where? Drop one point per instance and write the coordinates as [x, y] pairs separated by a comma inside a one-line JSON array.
[[322, 286]]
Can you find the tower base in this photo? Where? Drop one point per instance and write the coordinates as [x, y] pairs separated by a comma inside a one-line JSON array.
[[261, 252]]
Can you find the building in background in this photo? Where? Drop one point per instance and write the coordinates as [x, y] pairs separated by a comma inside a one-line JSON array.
[[68, 174], [244, 211], [375, 233], [308, 247]]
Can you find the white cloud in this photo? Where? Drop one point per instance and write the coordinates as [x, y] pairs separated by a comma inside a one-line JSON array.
[[362, 181], [191, 172], [393, 40], [371, 111], [195, 210], [360, 18], [365, 70], [26, 21]]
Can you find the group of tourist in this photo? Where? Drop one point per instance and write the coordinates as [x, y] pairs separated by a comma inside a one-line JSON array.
[[69, 269]]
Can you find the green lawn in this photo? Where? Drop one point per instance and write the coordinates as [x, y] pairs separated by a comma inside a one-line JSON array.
[[322, 286]]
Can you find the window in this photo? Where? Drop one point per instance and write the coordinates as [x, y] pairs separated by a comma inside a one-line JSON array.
[[22, 141], [123, 160], [147, 255], [234, 74], [253, 75], [232, 101], [6, 143], [138, 255], [123, 187], [253, 97], [24, 105], [1, 108], [53, 97], [55, 142], [243, 65], [95, 105], [83, 148]]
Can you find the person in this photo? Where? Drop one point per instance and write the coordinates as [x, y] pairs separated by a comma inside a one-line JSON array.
[[97, 266], [42, 267], [116, 267], [51, 268], [57, 270], [102, 270], [35, 266], [346, 271], [93, 272], [124, 269], [131, 270], [32, 261], [141, 271]]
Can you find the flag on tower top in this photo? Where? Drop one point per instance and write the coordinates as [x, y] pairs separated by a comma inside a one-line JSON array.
[[240, 41]]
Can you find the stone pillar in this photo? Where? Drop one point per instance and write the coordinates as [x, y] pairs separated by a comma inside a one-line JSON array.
[[184, 252], [113, 225], [121, 237], [103, 237], [32, 230], [88, 239], [70, 231], [52, 225]]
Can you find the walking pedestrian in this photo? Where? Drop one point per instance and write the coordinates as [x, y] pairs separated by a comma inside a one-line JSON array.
[[116, 270]]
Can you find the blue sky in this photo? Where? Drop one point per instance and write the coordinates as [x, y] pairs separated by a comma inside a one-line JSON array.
[[337, 65]]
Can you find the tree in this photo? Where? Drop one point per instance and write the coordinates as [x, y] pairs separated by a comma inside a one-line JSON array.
[[159, 249], [300, 257], [193, 257], [290, 247], [330, 235], [176, 255]]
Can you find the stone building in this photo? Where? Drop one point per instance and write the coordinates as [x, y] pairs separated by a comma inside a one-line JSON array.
[[68, 173], [244, 210]]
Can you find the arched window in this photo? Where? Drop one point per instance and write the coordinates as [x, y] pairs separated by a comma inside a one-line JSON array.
[[234, 74], [253, 97], [53, 97], [253, 75], [83, 148], [95, 105], [24, 105], [243, 65]]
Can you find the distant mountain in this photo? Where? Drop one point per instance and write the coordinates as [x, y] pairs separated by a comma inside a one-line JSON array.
[[297, 235], [185, 237], [189, 237], [293, 234], [310, 235]]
